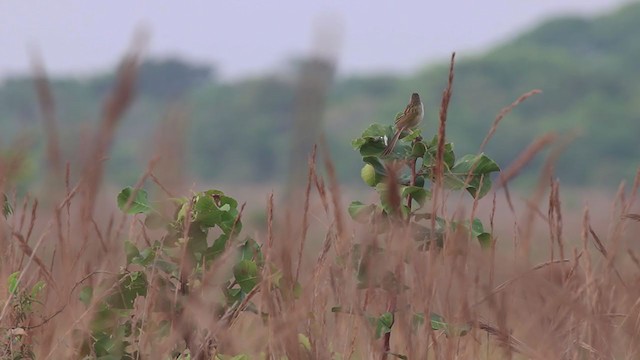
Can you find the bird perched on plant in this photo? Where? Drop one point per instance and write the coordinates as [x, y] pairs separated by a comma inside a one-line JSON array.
[[409, 120]]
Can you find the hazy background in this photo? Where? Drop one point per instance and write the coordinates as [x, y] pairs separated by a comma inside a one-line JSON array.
[[218, 87], [253, 37]]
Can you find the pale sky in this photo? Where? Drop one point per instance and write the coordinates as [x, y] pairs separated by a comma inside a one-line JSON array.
[[245, 37]]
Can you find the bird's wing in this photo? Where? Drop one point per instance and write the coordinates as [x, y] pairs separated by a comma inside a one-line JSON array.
[[409, 111]]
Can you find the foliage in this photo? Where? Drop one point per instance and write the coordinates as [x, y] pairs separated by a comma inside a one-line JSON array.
[[172, 78], [176, 264], [414, 181], [7, 209], [470, 172], [15, 344]]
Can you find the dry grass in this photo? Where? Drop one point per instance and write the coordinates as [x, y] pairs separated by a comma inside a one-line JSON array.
[[552, 286]]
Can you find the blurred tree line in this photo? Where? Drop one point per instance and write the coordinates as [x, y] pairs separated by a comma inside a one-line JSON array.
[[240, 130]]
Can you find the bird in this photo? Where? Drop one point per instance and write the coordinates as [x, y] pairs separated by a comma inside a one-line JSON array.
[[409, 120]]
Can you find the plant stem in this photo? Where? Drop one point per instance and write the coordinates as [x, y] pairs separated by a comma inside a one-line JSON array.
[[391, 308], [412, 182]]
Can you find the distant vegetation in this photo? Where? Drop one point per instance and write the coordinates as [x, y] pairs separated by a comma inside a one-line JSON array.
[[588, 71]]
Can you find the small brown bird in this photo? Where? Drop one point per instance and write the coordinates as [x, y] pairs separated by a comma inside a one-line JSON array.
[[409, 120]]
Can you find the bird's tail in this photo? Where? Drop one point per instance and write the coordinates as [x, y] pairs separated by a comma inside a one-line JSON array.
[[392, 142]]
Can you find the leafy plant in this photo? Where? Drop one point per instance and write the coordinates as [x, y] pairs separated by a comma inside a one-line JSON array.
[[405, 181], [7, 209], [14, 344], [415, 180], [176, 263]]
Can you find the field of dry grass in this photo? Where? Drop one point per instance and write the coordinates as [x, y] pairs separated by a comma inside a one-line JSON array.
[[560, 280]]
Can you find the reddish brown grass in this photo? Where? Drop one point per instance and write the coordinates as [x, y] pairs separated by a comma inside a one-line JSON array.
[[575, 298]]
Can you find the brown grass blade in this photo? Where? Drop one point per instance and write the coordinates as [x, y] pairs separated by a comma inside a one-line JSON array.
[[504, 112], [48, 112]]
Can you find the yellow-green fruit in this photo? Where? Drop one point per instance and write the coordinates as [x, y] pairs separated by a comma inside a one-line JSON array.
[[368, 174]]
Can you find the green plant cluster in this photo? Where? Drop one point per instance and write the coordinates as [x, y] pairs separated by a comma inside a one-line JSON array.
[[7, 209], [177, 263], [471, 173], [415, 182], [15, 344]]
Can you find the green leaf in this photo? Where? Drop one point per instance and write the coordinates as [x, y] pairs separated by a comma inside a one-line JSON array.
[[6, 206], [401, 151], [251, 250], [412, 135], [417, 320], [423, 235], [419, 194], [218, 247], [477, 230], [205, 211], [404, 148], [166, 266], [139, 204], [472, 172], [476, 227], [197, 245], [145, 257], [182, 213], [371, 142], [480, 186], [383, 192], [363, 258], [375, 130], [357, 143], [459, 330], [304, 342], [130, 250], [232, 295], [384, 324], [131, 286], [223, 199], [246, 274], [12, 282], [372, 147], [485, 240], [430, 156], [476, 164], [37, 289], [276, 276], [437, 322], [107, 347], [85, 295], [419, 149], [212, 208], [360, 212], [297, 290]]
